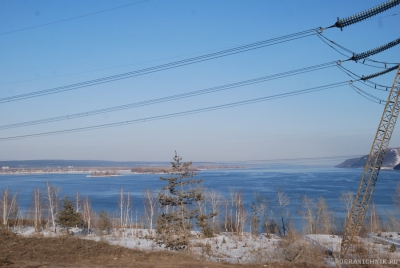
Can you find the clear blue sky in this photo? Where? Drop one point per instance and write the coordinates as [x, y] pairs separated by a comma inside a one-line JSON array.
[[327, 123]]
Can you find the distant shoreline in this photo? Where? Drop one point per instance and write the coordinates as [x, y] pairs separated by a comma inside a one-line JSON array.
[[89, 170]]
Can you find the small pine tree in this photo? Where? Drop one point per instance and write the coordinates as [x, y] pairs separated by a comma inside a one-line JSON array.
[[68, 217], [203, 223], [255, 219], [104, 222], [177, 200]]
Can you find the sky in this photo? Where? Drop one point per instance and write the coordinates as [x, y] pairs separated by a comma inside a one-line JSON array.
[[71, 48]]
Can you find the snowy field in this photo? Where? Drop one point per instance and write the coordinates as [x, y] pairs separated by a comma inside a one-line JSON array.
[[246, 248]]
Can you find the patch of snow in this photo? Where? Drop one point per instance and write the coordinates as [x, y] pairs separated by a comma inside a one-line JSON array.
[[327, 242], [230, 247]]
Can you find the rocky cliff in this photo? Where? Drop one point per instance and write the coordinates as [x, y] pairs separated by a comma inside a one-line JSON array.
[[392, 160]]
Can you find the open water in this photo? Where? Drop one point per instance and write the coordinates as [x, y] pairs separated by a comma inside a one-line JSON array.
[[326, 182]]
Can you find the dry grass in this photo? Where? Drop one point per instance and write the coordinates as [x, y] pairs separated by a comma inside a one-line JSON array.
[[18, 251], [297, 250]]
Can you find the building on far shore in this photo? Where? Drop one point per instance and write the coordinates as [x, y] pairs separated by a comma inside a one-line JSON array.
[[4, 168]]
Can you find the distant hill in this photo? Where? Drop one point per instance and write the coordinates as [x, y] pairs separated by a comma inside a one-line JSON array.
[[392, 160]]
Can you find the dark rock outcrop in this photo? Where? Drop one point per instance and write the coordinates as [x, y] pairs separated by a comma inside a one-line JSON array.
[[391, 161]]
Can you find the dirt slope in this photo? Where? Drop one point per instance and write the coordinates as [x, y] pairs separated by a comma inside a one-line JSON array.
[[17, 251]]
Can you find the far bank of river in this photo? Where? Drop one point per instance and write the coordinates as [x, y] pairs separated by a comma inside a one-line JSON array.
[[106, 170]]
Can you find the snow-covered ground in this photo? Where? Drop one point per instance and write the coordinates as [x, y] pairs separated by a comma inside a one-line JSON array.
[[245, 248]]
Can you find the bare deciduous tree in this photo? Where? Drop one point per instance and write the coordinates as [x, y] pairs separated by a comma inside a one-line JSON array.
[[121, 206], [226, 217], [87, 213], [214, 198], [263, 215], [283, 201], [203, 218], [375, 220], [149, 203], [9, 206], [241, 214], [128, 208], [37, 209], [325, 217], [346, 198], [124, 207], [308, 213], [317, 215], [236, 217], [78, 202], [52, 203]]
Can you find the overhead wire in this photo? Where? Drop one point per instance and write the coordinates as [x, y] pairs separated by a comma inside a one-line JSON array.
[[328, 42], [340, 23], [175, 97], [163, 67], [362, 79], [366, 95], [358, 78], [322, 37], [73, 18], [112, 67], [200, 92], [180, 63], [189, 112]]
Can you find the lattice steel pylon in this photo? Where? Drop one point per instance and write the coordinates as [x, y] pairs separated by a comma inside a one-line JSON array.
[[373, 166]]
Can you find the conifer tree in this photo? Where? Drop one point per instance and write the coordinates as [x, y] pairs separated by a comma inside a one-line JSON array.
[[177, 200], [104, 222], [68, 217]]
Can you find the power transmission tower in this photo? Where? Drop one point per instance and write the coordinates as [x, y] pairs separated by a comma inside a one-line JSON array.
[[373, 166]]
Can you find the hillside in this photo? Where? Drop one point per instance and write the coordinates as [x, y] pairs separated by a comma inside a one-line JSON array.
[[392, 160], [70, 251]]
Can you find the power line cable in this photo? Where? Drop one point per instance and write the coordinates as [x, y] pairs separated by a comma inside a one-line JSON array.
[[327, 41], [73, 18], [357, 78], [113, 67], [321, 37], [363, 93], [206, 91], [206, 57], [175, 97], [165, 116], [367, 95]]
